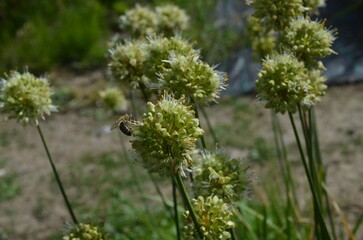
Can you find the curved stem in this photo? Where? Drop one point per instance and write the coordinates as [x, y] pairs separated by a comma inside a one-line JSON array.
[[188, 204], [57, 178]]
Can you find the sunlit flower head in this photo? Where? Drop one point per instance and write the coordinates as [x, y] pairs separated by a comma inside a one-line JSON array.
[[25, 97], [166, 136], [283, 83], [215, 219], [127, 63], [308, 40], [189, 76]]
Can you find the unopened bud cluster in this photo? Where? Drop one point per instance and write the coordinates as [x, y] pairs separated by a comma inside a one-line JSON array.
[[217, 174], [166, 136], [25, 97], [214, 217], [86, 232]]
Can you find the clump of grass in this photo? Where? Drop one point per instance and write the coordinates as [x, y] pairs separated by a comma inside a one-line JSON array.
[[9, 187]]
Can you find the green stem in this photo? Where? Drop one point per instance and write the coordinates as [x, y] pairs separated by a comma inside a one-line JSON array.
[[323, 171], [188, 204], [176, 216], [57, 178], [321, 222]]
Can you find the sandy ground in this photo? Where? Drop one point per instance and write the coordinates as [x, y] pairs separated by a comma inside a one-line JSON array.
[[72, 135]]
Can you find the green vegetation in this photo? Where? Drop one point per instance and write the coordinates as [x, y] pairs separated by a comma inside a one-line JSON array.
[[9, 187]]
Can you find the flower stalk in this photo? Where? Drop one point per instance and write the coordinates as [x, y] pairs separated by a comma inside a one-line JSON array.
[[188, 204], [57, 178]]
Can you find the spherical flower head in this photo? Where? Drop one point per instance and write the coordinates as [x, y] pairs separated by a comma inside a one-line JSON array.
[[166, 136], [308, 40], [25, 97], [159, 50], [276, 14], [283, 83], [139, 21], [187, 75], [85, 232], [218, 174], [127, 63], [112, 98], [214, 218], [171, 19]]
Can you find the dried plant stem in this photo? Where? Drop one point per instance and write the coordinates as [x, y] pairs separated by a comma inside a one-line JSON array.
[[57, 178]]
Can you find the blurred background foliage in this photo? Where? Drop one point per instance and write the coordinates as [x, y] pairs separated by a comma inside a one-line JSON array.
[[42, 35]]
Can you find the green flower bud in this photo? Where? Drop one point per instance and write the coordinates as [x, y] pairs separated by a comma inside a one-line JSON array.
[[187, 75], [84, 231], [218, 174], [283, 83], [25, 97], [214, 217], [112, 98], [167, 135], [127, 63], [308, 40], [171, 19], [139, 21], [276, 14]]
